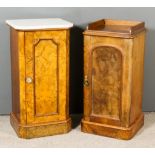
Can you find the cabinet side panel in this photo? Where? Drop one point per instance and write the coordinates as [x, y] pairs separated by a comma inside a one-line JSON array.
[[15, 73], [137, 77]]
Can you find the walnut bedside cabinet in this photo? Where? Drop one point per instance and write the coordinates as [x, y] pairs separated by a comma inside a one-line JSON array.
[[40, 76], [113, 78]]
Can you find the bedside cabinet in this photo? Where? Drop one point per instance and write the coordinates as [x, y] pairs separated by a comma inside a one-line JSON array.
[[40, 76], [113, 78]]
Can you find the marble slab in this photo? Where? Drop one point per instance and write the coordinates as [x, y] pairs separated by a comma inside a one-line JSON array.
[[35, 24]]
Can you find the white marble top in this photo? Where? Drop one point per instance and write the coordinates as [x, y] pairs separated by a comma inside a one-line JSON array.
[[34, 24]]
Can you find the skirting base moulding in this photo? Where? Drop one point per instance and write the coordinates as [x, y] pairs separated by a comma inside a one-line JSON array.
[[40, 130]]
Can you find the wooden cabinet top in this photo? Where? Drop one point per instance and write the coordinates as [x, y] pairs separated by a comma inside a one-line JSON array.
[[38, 24], [115, 28]]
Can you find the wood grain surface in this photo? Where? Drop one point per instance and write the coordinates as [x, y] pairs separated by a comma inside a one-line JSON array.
[[40, 92], [113, 65]]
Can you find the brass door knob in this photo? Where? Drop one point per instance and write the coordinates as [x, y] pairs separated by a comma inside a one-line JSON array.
[[86, 82], [29, 80]]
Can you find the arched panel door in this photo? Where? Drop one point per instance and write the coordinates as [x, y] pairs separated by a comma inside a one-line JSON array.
[[106, 81]]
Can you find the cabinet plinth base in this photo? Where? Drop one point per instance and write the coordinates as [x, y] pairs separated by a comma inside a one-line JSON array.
[[112, 131], [40, 130]]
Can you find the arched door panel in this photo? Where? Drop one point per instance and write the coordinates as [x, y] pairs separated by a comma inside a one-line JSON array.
[[106, 81]]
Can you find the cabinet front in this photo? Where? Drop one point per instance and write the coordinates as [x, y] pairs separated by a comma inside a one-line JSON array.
[[105, 63], [45, 59]]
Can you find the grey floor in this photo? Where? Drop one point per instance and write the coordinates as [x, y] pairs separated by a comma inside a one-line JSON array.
[[144, 138]]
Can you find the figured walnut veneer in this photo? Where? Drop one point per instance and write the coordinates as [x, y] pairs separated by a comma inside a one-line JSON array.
[[106, 81]]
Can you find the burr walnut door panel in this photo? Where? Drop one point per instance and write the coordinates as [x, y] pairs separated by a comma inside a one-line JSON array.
[[107, 68], [105, 84], [106, 81], [107, 78], [45, 75]]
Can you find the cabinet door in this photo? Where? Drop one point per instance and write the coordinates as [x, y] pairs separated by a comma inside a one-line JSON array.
[[107, 70], [46, 76]]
